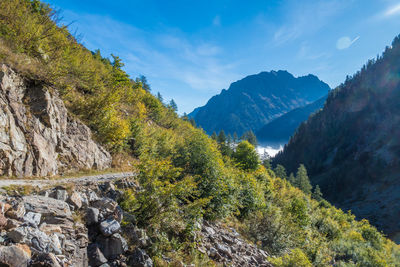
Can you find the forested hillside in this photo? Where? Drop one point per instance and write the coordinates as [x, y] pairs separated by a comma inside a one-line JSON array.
[[252, 102], [351, 148], [282, 128], [185, 178]]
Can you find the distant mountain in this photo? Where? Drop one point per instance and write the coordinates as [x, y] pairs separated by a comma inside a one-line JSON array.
[[280, 129], [254, 101], [351, 148]]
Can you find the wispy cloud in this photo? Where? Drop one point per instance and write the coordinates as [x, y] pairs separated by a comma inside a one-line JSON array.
[[345, 42], [305, 18], [393, 10], [166, 56]]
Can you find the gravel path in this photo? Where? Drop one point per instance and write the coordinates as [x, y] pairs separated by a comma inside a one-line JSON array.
[[77, 180]]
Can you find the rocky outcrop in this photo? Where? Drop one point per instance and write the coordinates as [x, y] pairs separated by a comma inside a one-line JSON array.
[[37, 135], [226, 246], [50, 229]]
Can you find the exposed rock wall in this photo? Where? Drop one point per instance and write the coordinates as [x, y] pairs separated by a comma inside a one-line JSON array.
[[37, 136]]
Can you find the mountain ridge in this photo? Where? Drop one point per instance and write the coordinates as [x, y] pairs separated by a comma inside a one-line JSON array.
[[255, 100]]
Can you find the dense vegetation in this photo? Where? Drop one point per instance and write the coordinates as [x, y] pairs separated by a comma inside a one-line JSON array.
[[351, 147], [186, 176]]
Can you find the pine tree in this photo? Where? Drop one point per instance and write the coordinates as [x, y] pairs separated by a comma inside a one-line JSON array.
[[267, 163], [145, 84], [317, 194], [221, 137], [192, 122], [235, 137], [173, 105], [292, 179], [214, 136], [280, 171], [250, 137], [159, 97], [303, 180]]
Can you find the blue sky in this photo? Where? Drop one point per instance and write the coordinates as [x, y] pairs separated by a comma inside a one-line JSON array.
[[190, 50]]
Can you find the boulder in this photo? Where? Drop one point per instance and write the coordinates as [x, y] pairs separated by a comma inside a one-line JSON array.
[[76, 200], [59, 194], [96, 257], [139, 258], [112, 246], [109, 227], [92, 216], [32, 218], [52, 210], [15, 256], [3, 221], [45, 259], [17, 211]]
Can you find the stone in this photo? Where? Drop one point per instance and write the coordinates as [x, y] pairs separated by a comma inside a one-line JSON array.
[[15, 256], [50, 208], [4, 207], [76, 200], [59, 194], [17, 211], [55, 245], [3, 221], [112, 246], [45, 259], [11, 224], [50, 228], [139, 258], [32, 237], [92, 196], [96, 257], [46, 142], [32, 218], [109, 227], [208, 230], [105, 204], [92, 216]]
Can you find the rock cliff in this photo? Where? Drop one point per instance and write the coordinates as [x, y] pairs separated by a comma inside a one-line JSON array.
[[37, 135]]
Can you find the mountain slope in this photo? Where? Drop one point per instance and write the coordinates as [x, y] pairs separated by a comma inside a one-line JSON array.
[[257, 99], [352, 147], [280, 129]]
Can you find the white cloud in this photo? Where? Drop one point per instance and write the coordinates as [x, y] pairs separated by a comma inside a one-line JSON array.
[[393, 10], [345, 42]]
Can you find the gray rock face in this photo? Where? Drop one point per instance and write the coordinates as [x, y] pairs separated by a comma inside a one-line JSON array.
[[32, 218], [51, 209], [92, 216], [112, 246], [14, 256], [109, 227], [37, 136]]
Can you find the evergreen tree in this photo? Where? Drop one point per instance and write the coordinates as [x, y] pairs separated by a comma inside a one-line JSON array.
[[317, 194], [160, 98], [235, 137], [145, 84], [173, 105], [267, 163], [280, 171], [192, 122], [303, 180], [221, 137], [292, 179], [214, 136], [250, 137]]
